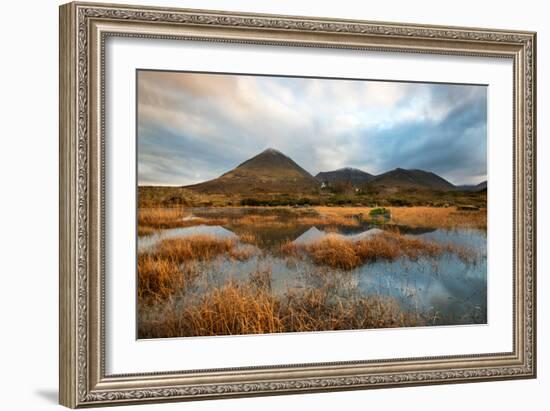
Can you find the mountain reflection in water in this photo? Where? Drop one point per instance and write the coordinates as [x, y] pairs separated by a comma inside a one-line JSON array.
[[444, 285]]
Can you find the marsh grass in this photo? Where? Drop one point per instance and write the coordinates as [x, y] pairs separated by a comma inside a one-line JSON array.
[[439, 217], [161, 278], [259, 221], [427, 217], [338, 252], [170, 267], [248, 238], [340, 283], [234, 309], [154, 219], [196, 247], [261, 279], [159, 218], [291, 220], [177, 296], [329, 220]]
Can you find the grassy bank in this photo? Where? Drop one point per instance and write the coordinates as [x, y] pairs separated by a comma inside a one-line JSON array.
[[150, 196], [420, 217], [154, 219], [250, 309]]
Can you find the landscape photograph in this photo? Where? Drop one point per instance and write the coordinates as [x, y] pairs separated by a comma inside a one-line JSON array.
[[277, 204]]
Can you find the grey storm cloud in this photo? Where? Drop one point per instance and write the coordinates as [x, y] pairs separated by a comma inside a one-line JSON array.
[[193, 127]]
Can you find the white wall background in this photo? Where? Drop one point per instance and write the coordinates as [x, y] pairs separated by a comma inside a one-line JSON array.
[[28, 207]]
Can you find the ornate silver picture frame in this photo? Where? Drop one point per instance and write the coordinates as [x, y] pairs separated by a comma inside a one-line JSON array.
[[84, 30]]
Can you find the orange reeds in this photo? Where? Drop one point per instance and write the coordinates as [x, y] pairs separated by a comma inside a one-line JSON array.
[[153, 219], [338, 252], [246, 309]]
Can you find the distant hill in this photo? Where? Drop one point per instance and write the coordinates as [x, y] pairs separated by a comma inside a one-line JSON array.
[[353, 176], [478, 187], [401, 178], [482, 186], [268, 172]]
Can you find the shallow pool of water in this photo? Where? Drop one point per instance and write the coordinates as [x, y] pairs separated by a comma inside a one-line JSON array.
[[448, 289]]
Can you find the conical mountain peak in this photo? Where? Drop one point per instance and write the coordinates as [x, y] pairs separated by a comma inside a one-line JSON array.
[[271, 150], [270, 171]]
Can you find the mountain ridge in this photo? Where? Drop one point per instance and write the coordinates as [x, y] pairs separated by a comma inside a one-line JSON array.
[[473, 187], [412, 178], [272, 171], [353, 176]]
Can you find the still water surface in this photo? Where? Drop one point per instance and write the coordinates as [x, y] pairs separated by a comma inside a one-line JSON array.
[[450, 290]]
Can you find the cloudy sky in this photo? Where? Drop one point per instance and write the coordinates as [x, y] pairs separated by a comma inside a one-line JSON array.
[[194, 127]]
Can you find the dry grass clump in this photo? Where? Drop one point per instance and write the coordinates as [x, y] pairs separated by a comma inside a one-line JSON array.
[[170, 267], [230, 309], [196, 247], [338, 252], [261, 278], [154, 219], [201, 247], [246, 309], [248, 238], [410, 247], [159, 278], [289, 249], [159, 217], [334, 252]]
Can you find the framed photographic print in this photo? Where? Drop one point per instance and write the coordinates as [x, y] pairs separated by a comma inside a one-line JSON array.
[[260, 204]]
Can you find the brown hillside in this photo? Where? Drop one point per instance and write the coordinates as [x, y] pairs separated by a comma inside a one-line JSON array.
[[268, 172]]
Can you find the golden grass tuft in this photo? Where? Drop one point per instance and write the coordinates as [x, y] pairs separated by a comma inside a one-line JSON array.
[[157, 277], [158, 217], [289, 249], [338, 252], [196, 247], [334, 252], [170, 267], [154, 219], [160, 278], [201, 247]]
